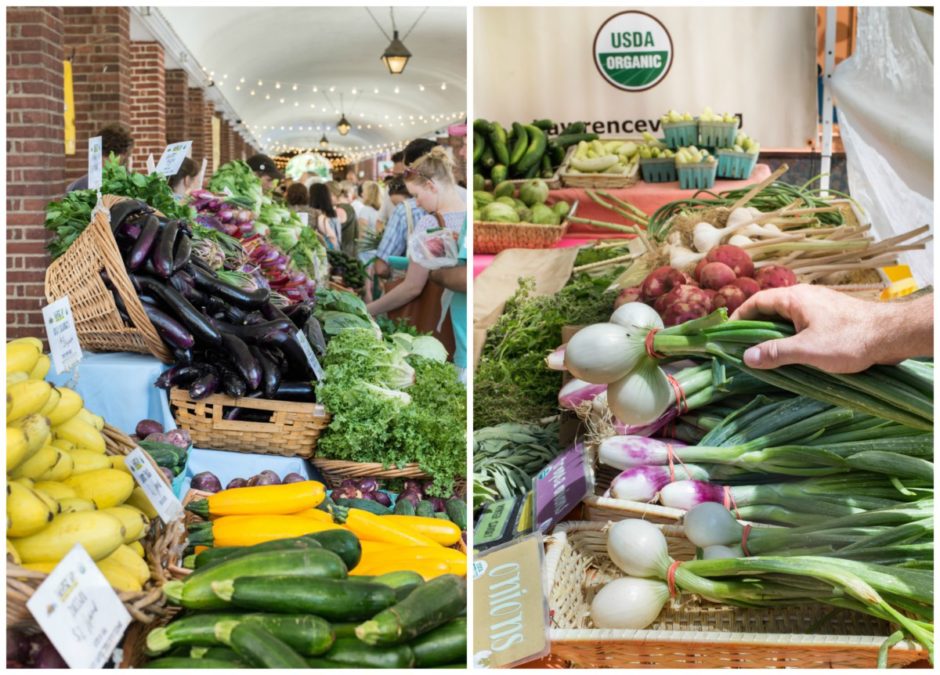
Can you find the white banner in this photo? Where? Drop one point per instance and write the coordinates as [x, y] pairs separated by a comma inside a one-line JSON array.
[[620, 70]]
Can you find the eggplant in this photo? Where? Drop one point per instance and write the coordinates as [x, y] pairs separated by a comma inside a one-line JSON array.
[[124, 209], [192, 318], [266, 477], [296, 390], [171, 330], [162, 254], [145, 242], [234, 315], [180, 282], [245, 362], [257, 334], [199, 263], [270, 372], [214, 305], [300, 312], [293, 478], [179, 376], [296, 356], [183, 357], [314, 332], [184, 248], [382, 498], [272, 312], [254, 318], [232, 383], [130, 229], [229, 293], [204, 386], [206, 481]]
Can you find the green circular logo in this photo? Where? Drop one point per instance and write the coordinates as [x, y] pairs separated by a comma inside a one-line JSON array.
[[633, 51]]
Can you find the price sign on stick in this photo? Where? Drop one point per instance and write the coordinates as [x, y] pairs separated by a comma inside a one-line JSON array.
[[77, 608], [159, 494], [311, 357], [63, 339], [94, 163], [173, 157]]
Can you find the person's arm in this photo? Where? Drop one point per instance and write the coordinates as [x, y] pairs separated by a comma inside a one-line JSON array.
[[323, 224], [451, 278], [415, 280], [837, 332]]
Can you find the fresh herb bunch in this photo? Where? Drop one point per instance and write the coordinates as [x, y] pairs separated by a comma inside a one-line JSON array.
[[593, 254], [69, 217], [352, 271], [392, 326], [512, 383]]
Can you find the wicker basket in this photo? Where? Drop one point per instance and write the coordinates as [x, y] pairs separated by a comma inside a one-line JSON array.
[[489, 237], [163, 545], [698, 635], [597, 180], [292, 431], [335, 471], [77, 274]]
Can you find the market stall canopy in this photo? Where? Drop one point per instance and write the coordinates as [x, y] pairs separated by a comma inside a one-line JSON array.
[[291, 72]]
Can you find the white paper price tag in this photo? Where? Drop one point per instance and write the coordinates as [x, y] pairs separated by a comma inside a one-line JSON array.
[[63, 339], [304, 218], [151, 165], [173, 157], [308, 352], [160, 495], [94, 163], [79, 611]]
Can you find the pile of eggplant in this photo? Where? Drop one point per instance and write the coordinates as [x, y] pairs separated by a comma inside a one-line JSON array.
[[224, 339]]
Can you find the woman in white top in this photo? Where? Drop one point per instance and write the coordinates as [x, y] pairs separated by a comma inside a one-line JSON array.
[[369, 222]]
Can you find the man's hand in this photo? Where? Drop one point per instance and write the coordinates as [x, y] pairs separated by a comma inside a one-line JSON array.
[[836, 332], [382, 270]]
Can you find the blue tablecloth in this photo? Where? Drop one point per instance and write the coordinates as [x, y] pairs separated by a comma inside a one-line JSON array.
[[119, 387], [228, 465]]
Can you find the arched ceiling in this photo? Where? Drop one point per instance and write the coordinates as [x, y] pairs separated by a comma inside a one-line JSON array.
[[336, 50]]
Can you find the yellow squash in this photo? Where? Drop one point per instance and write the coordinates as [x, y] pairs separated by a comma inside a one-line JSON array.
[[27, 512], [88, 460], [138, 499], [91, 419], [137, 548], [62, 469], [36, 430], [44, 459], [81, 434], [76, 505], [13, 555], [17, 447], [443, 532], [120, 578], [55, 489], [251, 530], [371, 527], [135, 523], [261, 500], [69, 405], [98, 532], [26, 398], [22, 356], [129, 560], [41, 369], [105, 487], [54, 397], [428, 569]]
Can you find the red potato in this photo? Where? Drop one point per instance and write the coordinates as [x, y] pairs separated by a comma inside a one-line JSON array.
[[659, 282], [715, 275], [775, 276], [631, 294], [735, 258], [746, 284], [730, 297], [680, 312]]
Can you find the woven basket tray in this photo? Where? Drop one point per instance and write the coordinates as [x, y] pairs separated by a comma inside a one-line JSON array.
[[77, 274], [163, 546], [596, 180], [489, 237], [698, 635], [292, 431], [335, 471]]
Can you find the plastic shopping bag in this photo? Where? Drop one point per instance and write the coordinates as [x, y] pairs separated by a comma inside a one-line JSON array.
[[434, 249]]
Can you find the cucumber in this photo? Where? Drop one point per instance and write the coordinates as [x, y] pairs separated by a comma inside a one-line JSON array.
[[334, 600], [213, 556], [150, 446], [497, 140], [434, 604], [557, 153], [499, 173], [442, 646], [402, 582], [306, 634], [457, 512], [546, 165], [574, 139], [573, 128], [343, 543], [403, 507], [257, 646], [478, 145], [532, 172], [482, 126], [543, 125], [519, 145], [533, 154], [196, 591], [217, 653], [425, 508], [488, 159], [183, 663], [364, 505], [350, 653]]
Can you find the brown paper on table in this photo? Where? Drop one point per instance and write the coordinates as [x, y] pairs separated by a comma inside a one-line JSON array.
[[549, 268]]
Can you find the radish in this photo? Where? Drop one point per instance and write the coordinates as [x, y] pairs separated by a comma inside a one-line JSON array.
[[698, 269], [631, 294], [746, 284], [680, 312], [775, 276], [714, 275], [659, 282], [731, 297], [735, 258], [685, 293]]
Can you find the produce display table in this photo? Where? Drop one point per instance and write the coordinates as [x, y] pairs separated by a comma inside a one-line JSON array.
[[648, 197], [119, 387], [228, 465]]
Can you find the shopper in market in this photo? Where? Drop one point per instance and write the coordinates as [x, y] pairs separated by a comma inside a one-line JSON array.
[[349, 224], [115, 139], [184, 180], [298, 199], [265, 170], [328, 222], [431, 180], [369, 220], [838, 333]]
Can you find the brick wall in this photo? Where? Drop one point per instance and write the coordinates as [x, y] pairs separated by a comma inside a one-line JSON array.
[[207, 115], [194, 124], [148, 105], [35, 147], [177, 105], [101, 66]]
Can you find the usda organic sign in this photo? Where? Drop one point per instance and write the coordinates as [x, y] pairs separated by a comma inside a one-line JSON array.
[[633, 51]]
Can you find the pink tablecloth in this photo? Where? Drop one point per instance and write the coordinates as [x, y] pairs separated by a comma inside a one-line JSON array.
[[648, 197]]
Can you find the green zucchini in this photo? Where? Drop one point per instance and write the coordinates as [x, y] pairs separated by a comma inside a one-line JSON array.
[[345, 630], [364, 505], [533, 154], [345, 600], [478, 145], [195, 592], [425, 508], [498, 173], [213, 556], [306, 634], [184, 663], [543, 125], [457, 512], [519, 145], [404, 507], [217, 653], [442, 646], [497, 140], [437, 602], [403, 582], [342, 542], [257, 646], [574, 139], [350, 653]]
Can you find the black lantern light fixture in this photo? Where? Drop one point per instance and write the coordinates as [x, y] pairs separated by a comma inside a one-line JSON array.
[[323, 141], [343, 125], [396, 55]]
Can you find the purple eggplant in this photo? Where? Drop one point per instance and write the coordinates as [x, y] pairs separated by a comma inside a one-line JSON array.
[[146, 427], [232, 414], [297, 390], [345, 493], [229, 293], [124, 209], [206, 481], [232, 383], [414, 485], [162, 253], [270, 372], [42, 654], [204, 386], [191, 317], [184, 248], [183, 357], [145, 242], [245, 362], [314, 332], [171, 330], [178, 375], [166, 472], [293, 478]]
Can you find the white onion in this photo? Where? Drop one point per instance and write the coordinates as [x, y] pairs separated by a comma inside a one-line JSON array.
[[599, 404], [719, 552], [740, 240], [638, 317], [602, 353], [711, 524], [642, 396], [556, 360], [629, 603], [706, 236], [638, 548]]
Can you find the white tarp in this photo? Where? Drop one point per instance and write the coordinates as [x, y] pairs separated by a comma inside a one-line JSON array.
[[884, 94]]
